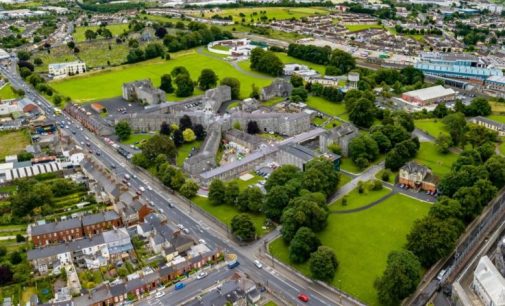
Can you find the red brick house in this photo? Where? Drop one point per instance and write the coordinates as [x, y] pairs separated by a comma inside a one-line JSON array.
[[418, 177], [55, 232], [100, 222]]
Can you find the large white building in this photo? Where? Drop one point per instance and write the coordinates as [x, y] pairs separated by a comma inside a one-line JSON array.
[[430, 95], [488, 283], [68, 68]]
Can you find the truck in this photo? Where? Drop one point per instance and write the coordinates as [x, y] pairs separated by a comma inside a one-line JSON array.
[[231, 261]]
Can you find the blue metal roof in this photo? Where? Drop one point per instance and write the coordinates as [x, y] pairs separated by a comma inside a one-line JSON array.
[[457, 70]]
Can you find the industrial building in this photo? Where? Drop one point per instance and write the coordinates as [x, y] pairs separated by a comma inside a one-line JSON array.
[[430, 95], [69, 68]]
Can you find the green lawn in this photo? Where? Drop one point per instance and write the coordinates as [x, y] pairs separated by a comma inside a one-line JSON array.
[[273, 101], [225, 213], [116, 29], [362, 27], [344, 179], [184, 150], [431, 126], [356, 199], [137, 138], [6, 93], [286, 59], [107, 83], [278, 13], [362, 242], [325, 106], [332, 124], [13, 142], [348, 165], [439, 163], [498, 118], [497, 107], [502, 147]]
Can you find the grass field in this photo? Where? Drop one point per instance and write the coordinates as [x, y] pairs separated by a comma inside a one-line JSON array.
[[184, 150], [348, 165], [439, 163], [362, 242], [277, 13], [361, 27], [498, 118], [7, 93], [431, 126], [107, 83], [96, 54], [356, 199], [344, 179], [115, 29], [136, 138], [225, 213], [286, 59], [325, 106], [13, 142], [497, 107]]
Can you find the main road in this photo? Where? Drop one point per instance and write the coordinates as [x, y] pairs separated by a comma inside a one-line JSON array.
[[286, 285]]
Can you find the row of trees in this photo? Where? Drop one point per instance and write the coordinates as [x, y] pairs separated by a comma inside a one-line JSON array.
[[199, 34], [474, 180], [266, 62], [152, 50], [337, 62]]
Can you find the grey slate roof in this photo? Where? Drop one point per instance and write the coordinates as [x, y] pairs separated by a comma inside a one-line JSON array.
[[56, 226], [99, 217]]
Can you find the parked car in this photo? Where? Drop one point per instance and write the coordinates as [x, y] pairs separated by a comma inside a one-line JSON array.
[[159, 294], [179, 286], [258, 264], [201, 275]]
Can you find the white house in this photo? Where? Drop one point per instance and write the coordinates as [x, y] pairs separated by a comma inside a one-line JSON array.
[[68, 68]]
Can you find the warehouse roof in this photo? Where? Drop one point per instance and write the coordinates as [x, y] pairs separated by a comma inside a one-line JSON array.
[[430, 92]]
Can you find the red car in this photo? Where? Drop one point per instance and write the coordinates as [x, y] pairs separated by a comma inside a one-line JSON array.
[[303, 297]]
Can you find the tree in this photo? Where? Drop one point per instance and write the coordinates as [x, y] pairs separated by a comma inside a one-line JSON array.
[[166, 83], [165, 129], [400, 278], [382, 141], [199, 131], [188, 135], [495, 165], [431, 239], [123, 130], [320, 176], [178, 138], [217, 192], [189, 189], [478, 107], [342, 60], [323, 264], [266, 61], [255, 199], [57, 100], [37, 61], [23, 55], [185, 123], [207, 79], [477, 135], [5, 275], [362, 114], [243, 228], [232, 191], [303, 243], [456, 124], [71, 44], [299, 92], [443, 143], [234, 85], [15, 258], [275, 202], [159, 144], [90, 35], [252, 127], [296, 80], [178, 71], [255, 92], [160, 32], [282, 175], [364, 147], [440, 110], [185, 86]]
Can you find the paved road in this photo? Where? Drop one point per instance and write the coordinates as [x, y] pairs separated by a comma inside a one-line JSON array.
[[284, 286]]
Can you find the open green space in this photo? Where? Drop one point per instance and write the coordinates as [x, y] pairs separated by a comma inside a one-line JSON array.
[[277, 13], [13, 142], [221, 47], [184, 150], [225, 213], [325, 106], [497, 107], [332, 123], [137, 138], [96, 54], [348, 165], [501, 147], [273, 101], [115, 29], [356, 199], [362, 242], [286, 59], [431, 126], [344, 179], [497, 118], [6, 93], [108, 83], [439, 163], [362, 27]]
